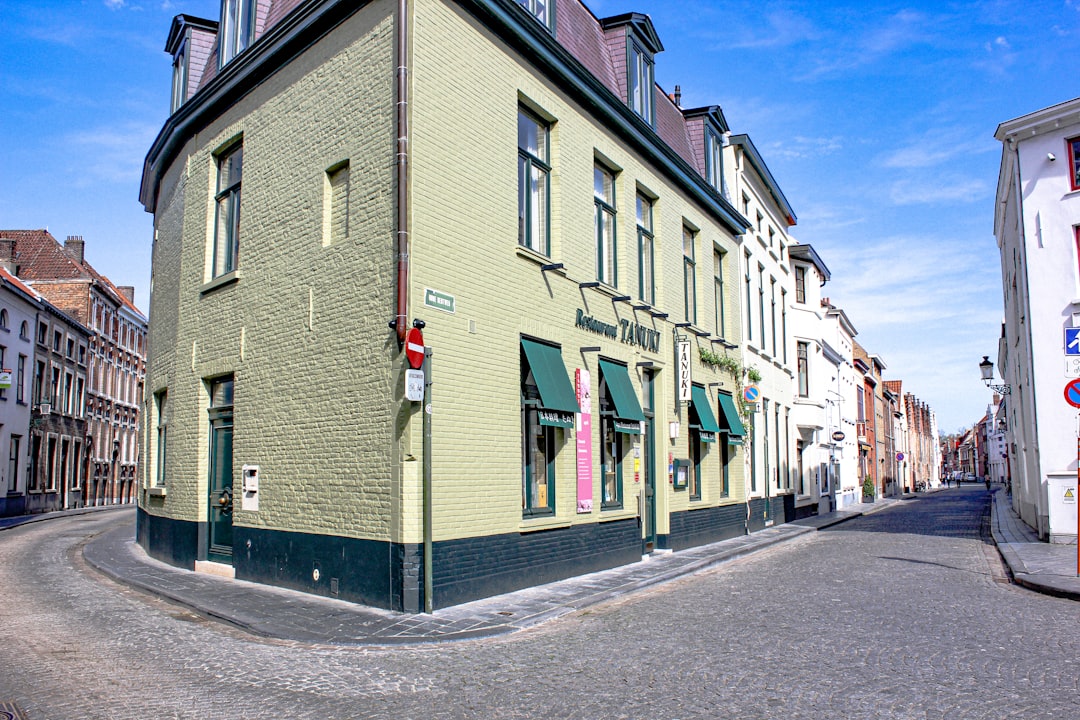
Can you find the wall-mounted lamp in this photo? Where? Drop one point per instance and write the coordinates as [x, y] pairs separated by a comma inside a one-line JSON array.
[[658, 315], [702, 333], [591, 284], [682, 325], [551, 266], [645, 364], [673, 430], [621, 298], [590, 349], [1050, 157], [986, 369]]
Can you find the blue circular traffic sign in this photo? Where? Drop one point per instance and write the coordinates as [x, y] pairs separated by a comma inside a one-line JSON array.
[[1072, 392], [750, 393]]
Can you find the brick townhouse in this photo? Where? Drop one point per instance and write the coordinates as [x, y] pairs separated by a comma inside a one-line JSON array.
[[106, 342], [522, 193]]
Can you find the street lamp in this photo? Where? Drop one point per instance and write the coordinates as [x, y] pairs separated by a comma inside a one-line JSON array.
[[986, 368]]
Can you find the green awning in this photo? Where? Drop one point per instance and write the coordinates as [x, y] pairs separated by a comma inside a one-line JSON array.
[[700, 399], [556, 391], [621, 391], [730, 416]]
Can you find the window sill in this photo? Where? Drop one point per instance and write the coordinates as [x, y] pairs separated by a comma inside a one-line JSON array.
[[220, 281], [157, 491], [537, 257], [542, 522]]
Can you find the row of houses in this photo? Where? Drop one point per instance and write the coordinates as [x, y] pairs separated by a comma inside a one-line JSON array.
[[72, 363], [451, 298]]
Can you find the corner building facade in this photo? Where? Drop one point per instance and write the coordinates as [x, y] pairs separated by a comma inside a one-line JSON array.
[[548, 221]]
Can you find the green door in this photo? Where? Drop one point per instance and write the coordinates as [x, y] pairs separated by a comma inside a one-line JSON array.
[[220, 500], [648, 461]]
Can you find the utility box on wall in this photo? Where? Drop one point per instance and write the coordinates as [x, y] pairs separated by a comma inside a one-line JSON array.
[[1062, 502], [249, 500]]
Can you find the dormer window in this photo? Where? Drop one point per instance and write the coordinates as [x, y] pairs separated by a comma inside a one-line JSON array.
[[237, 28], [714, 163], [180, 76], [641, 82], [634, 35], [539, 9]]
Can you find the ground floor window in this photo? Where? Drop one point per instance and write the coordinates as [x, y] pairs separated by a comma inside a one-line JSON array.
[[620, 415], [13, 463], [693, 479], [548, 404], [725, 467], [613, 467]]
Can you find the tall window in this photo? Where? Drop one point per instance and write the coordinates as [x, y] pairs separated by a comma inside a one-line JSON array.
[[689, 276], [533, 182], [718, 291], [538, 9], [714, 167], [761, 302], [237, 28], [772, 312], [693, 473], [542, 426], [646, 282], [604, 194], [800, 284], [227, 217], [641, 83], [3, 362], [783, 322], [13, 463], [161, 406], [20, 378], [725, 460], [180, 76], [802, 351], [749, 308], [1074, 162]]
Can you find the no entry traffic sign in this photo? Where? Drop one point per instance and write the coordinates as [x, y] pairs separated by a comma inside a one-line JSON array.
[[414, 347], [1072, 392]]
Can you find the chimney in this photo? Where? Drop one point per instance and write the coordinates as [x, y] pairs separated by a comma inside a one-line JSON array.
[[127, 291], [74, 246], [7, 255], [678, 96]]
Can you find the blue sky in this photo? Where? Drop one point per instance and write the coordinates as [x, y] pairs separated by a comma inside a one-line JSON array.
[[877, 120]]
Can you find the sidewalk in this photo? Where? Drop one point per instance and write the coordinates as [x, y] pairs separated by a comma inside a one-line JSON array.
[[1045, 567], [290, 615]]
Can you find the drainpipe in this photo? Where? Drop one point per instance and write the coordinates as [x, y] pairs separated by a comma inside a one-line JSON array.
[[401, 127]]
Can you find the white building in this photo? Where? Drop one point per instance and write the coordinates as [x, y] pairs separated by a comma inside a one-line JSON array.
[[1037, 226], [842, 413], [18, 320], [817, 374], [767, 288]]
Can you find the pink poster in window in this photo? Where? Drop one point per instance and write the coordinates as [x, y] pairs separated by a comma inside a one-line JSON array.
[[584, 441]]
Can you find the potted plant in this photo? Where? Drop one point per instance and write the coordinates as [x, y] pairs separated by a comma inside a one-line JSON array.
[[868, 489]]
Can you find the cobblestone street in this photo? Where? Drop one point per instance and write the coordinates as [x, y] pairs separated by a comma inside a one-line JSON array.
[[906, 613]]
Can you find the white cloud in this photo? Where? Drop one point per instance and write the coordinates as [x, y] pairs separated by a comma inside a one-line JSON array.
[[113, 153], [935, 191], [115, 4]]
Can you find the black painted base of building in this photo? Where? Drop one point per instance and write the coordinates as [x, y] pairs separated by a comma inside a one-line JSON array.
[[389, 575]]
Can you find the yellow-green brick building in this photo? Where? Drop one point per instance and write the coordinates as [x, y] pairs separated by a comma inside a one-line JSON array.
[[505, 178]]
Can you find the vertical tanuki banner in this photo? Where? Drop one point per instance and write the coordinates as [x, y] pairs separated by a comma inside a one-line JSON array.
[[584, 441], [683, 347]]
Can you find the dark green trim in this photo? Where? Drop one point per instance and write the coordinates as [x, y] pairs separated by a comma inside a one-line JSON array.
[[699, 400], [621, 391], [556, 391], [734, 427]]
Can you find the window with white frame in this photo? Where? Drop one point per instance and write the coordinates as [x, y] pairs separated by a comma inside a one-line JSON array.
[[237, 28], [230, 165], [604, 197], [641, 82], [646, 250], [539, 9], [689, 275], [802, 350], [718, 293], [534, 170], [180, 76], [161, 408]]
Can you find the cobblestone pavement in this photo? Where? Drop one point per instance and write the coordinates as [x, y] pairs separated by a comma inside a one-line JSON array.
[[906, 613]]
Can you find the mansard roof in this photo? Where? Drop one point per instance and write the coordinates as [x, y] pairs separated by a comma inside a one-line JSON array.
[[577, 57]]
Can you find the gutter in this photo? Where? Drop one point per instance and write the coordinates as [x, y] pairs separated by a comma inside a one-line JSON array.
[[401, 129]]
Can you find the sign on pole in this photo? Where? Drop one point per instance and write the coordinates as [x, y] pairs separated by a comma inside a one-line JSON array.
[[751, 393], [1072, 341], [1072, 392], [414, 348]]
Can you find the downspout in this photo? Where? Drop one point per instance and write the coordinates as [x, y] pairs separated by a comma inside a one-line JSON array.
[[401, 127]]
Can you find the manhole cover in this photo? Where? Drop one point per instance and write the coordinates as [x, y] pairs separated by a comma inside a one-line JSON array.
[[10, 711]]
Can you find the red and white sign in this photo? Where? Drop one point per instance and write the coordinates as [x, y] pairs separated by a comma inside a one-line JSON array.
[[414, 347]]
